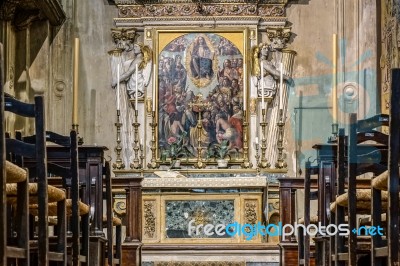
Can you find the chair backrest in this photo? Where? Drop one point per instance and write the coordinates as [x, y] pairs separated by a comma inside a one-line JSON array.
[[70, 179], [363, 159], [37, 151]]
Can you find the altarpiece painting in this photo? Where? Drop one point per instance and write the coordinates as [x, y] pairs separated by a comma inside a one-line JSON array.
[[201, 91]]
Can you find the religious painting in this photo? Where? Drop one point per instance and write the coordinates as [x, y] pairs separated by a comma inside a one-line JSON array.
[[201, 92]]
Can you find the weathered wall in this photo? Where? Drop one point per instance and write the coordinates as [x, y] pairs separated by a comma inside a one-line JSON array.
[[310, 114]]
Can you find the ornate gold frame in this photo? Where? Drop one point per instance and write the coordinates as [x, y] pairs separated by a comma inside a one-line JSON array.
[[162, 36], [250, 203]]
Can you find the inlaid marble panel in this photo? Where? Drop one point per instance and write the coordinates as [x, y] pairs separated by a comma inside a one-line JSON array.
[[178, 214]]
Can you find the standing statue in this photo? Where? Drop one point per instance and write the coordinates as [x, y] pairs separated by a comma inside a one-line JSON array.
[[134, 56], [141, 57], [133, 60], [271, 71]]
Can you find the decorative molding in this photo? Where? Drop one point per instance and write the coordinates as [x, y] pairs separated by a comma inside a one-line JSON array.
[[59, 88], [53, 10], [148, 2], [252, 182], [203, 21], [199, 263], [193, 9]]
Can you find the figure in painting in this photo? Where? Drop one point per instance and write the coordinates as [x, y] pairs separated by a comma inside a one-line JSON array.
[[201, 63]]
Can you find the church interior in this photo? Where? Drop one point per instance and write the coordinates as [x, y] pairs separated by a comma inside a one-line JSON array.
[[186, 132]]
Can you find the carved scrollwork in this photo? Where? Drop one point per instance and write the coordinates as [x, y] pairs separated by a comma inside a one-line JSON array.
[[193, 9], [149, 219], [250, 212], [119, 206]]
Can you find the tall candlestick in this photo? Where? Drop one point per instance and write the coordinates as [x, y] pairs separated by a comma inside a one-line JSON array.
[[256, 140], [244, 92], [281, 88], [118, 92], [154, 91], [262, 85], [136, 84], [334, 89], [75, 86]]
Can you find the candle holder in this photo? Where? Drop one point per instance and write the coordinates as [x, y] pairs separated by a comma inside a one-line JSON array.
[[136, 146], [246, 162], [334, 137], [280, 164], [141, 154], [201, 105], [257, 156], [199, 163], [153, 163], [264, 162], [118, 162], [75, 127]]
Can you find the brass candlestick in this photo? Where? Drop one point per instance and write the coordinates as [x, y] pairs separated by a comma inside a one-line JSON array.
[[246, 162], [141, 154], [80, 139], [199, 163], [199, 102], [264, 162], [136, 147], [335, 129], [153, 163], [118, 162], [281, 124], [257, 147]]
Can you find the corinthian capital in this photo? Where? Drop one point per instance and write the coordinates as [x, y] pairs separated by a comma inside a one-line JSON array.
[[278, 37]]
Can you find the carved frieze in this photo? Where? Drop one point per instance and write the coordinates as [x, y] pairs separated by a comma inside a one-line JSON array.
[[204, 182], [193, 9], [143, 2]]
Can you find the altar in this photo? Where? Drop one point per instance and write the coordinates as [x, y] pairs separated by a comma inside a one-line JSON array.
[[200, 130], [182, 214]]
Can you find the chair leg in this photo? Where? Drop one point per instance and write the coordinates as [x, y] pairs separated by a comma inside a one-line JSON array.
[[118, 243], [62, 232]]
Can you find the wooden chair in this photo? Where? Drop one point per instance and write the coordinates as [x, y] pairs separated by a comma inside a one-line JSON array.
[[69, 180], [361, 159], [39, 191], [304, 239], [387, 252], [113, 257]]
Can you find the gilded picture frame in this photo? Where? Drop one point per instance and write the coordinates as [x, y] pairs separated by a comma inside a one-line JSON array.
[[201, 90]]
